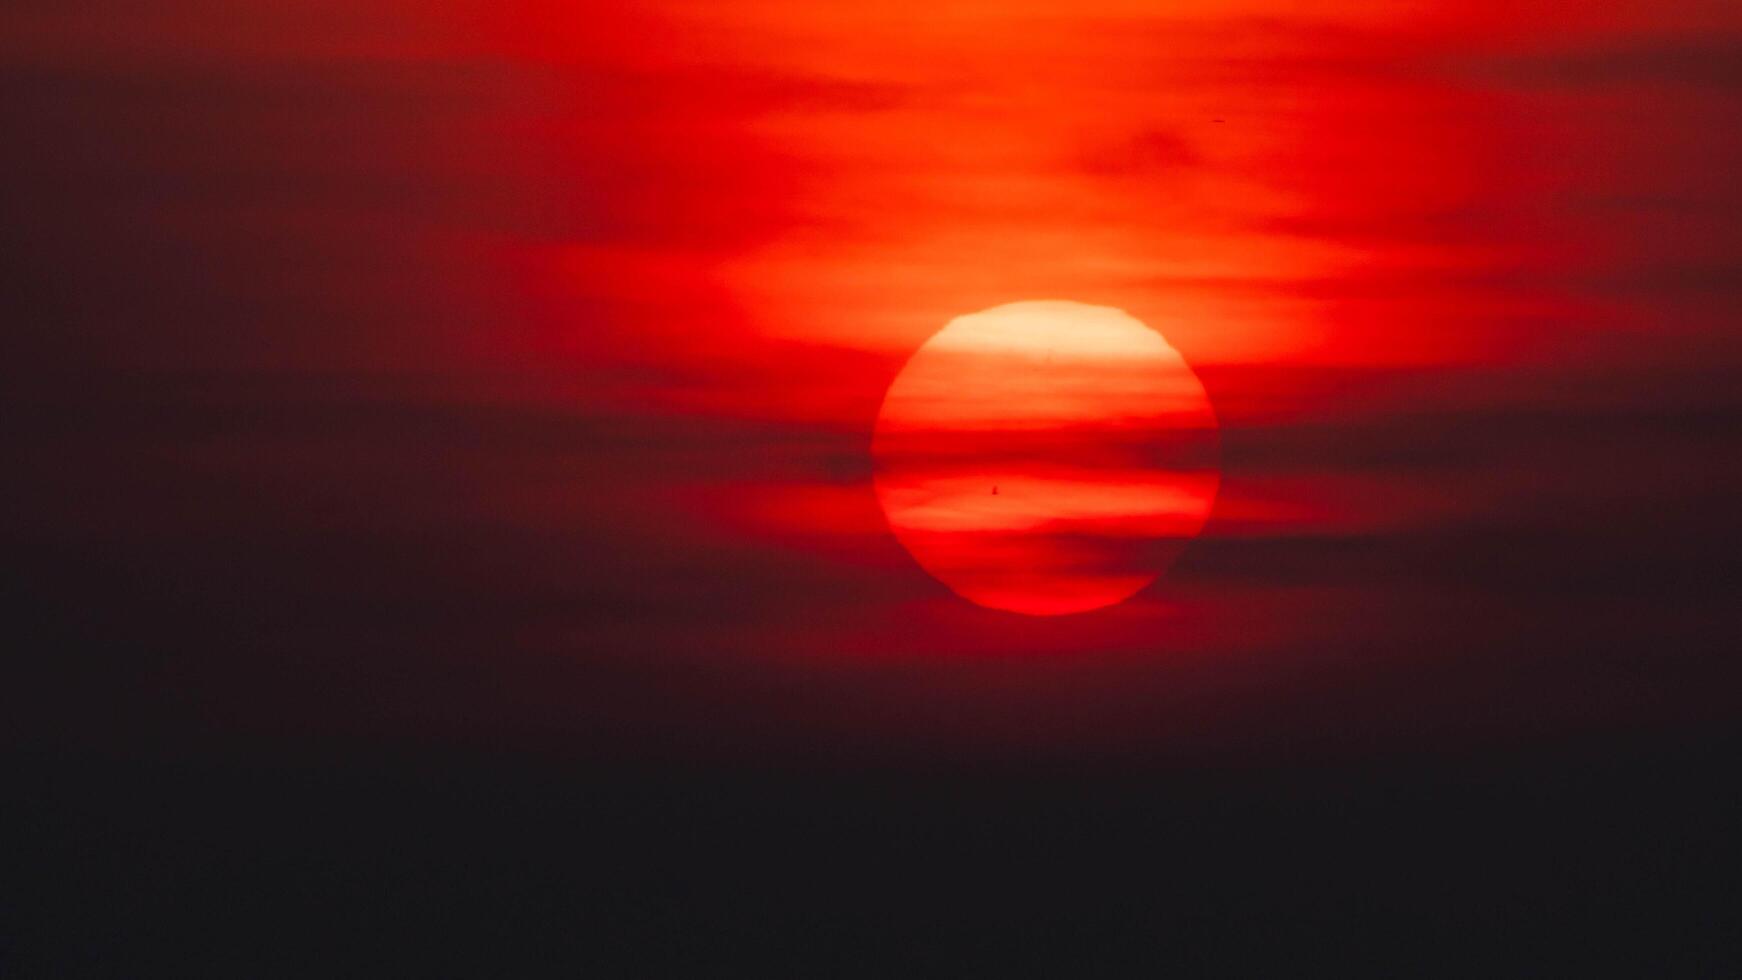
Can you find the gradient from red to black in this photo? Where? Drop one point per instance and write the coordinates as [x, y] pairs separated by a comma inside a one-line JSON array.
[[387, 378]]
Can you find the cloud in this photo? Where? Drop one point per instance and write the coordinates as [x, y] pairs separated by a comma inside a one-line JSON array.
[[1704, 62], [1145, 154]]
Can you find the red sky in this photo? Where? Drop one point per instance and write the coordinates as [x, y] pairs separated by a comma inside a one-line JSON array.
[[507, 371]]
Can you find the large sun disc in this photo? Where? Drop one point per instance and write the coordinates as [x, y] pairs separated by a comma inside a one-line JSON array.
[[1045, 457]]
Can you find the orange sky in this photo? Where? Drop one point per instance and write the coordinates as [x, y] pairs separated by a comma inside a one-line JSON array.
[[579, 316], [1342, 184]]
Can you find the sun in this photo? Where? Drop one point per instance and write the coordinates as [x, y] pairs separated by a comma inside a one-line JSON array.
[[1046, 457]]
